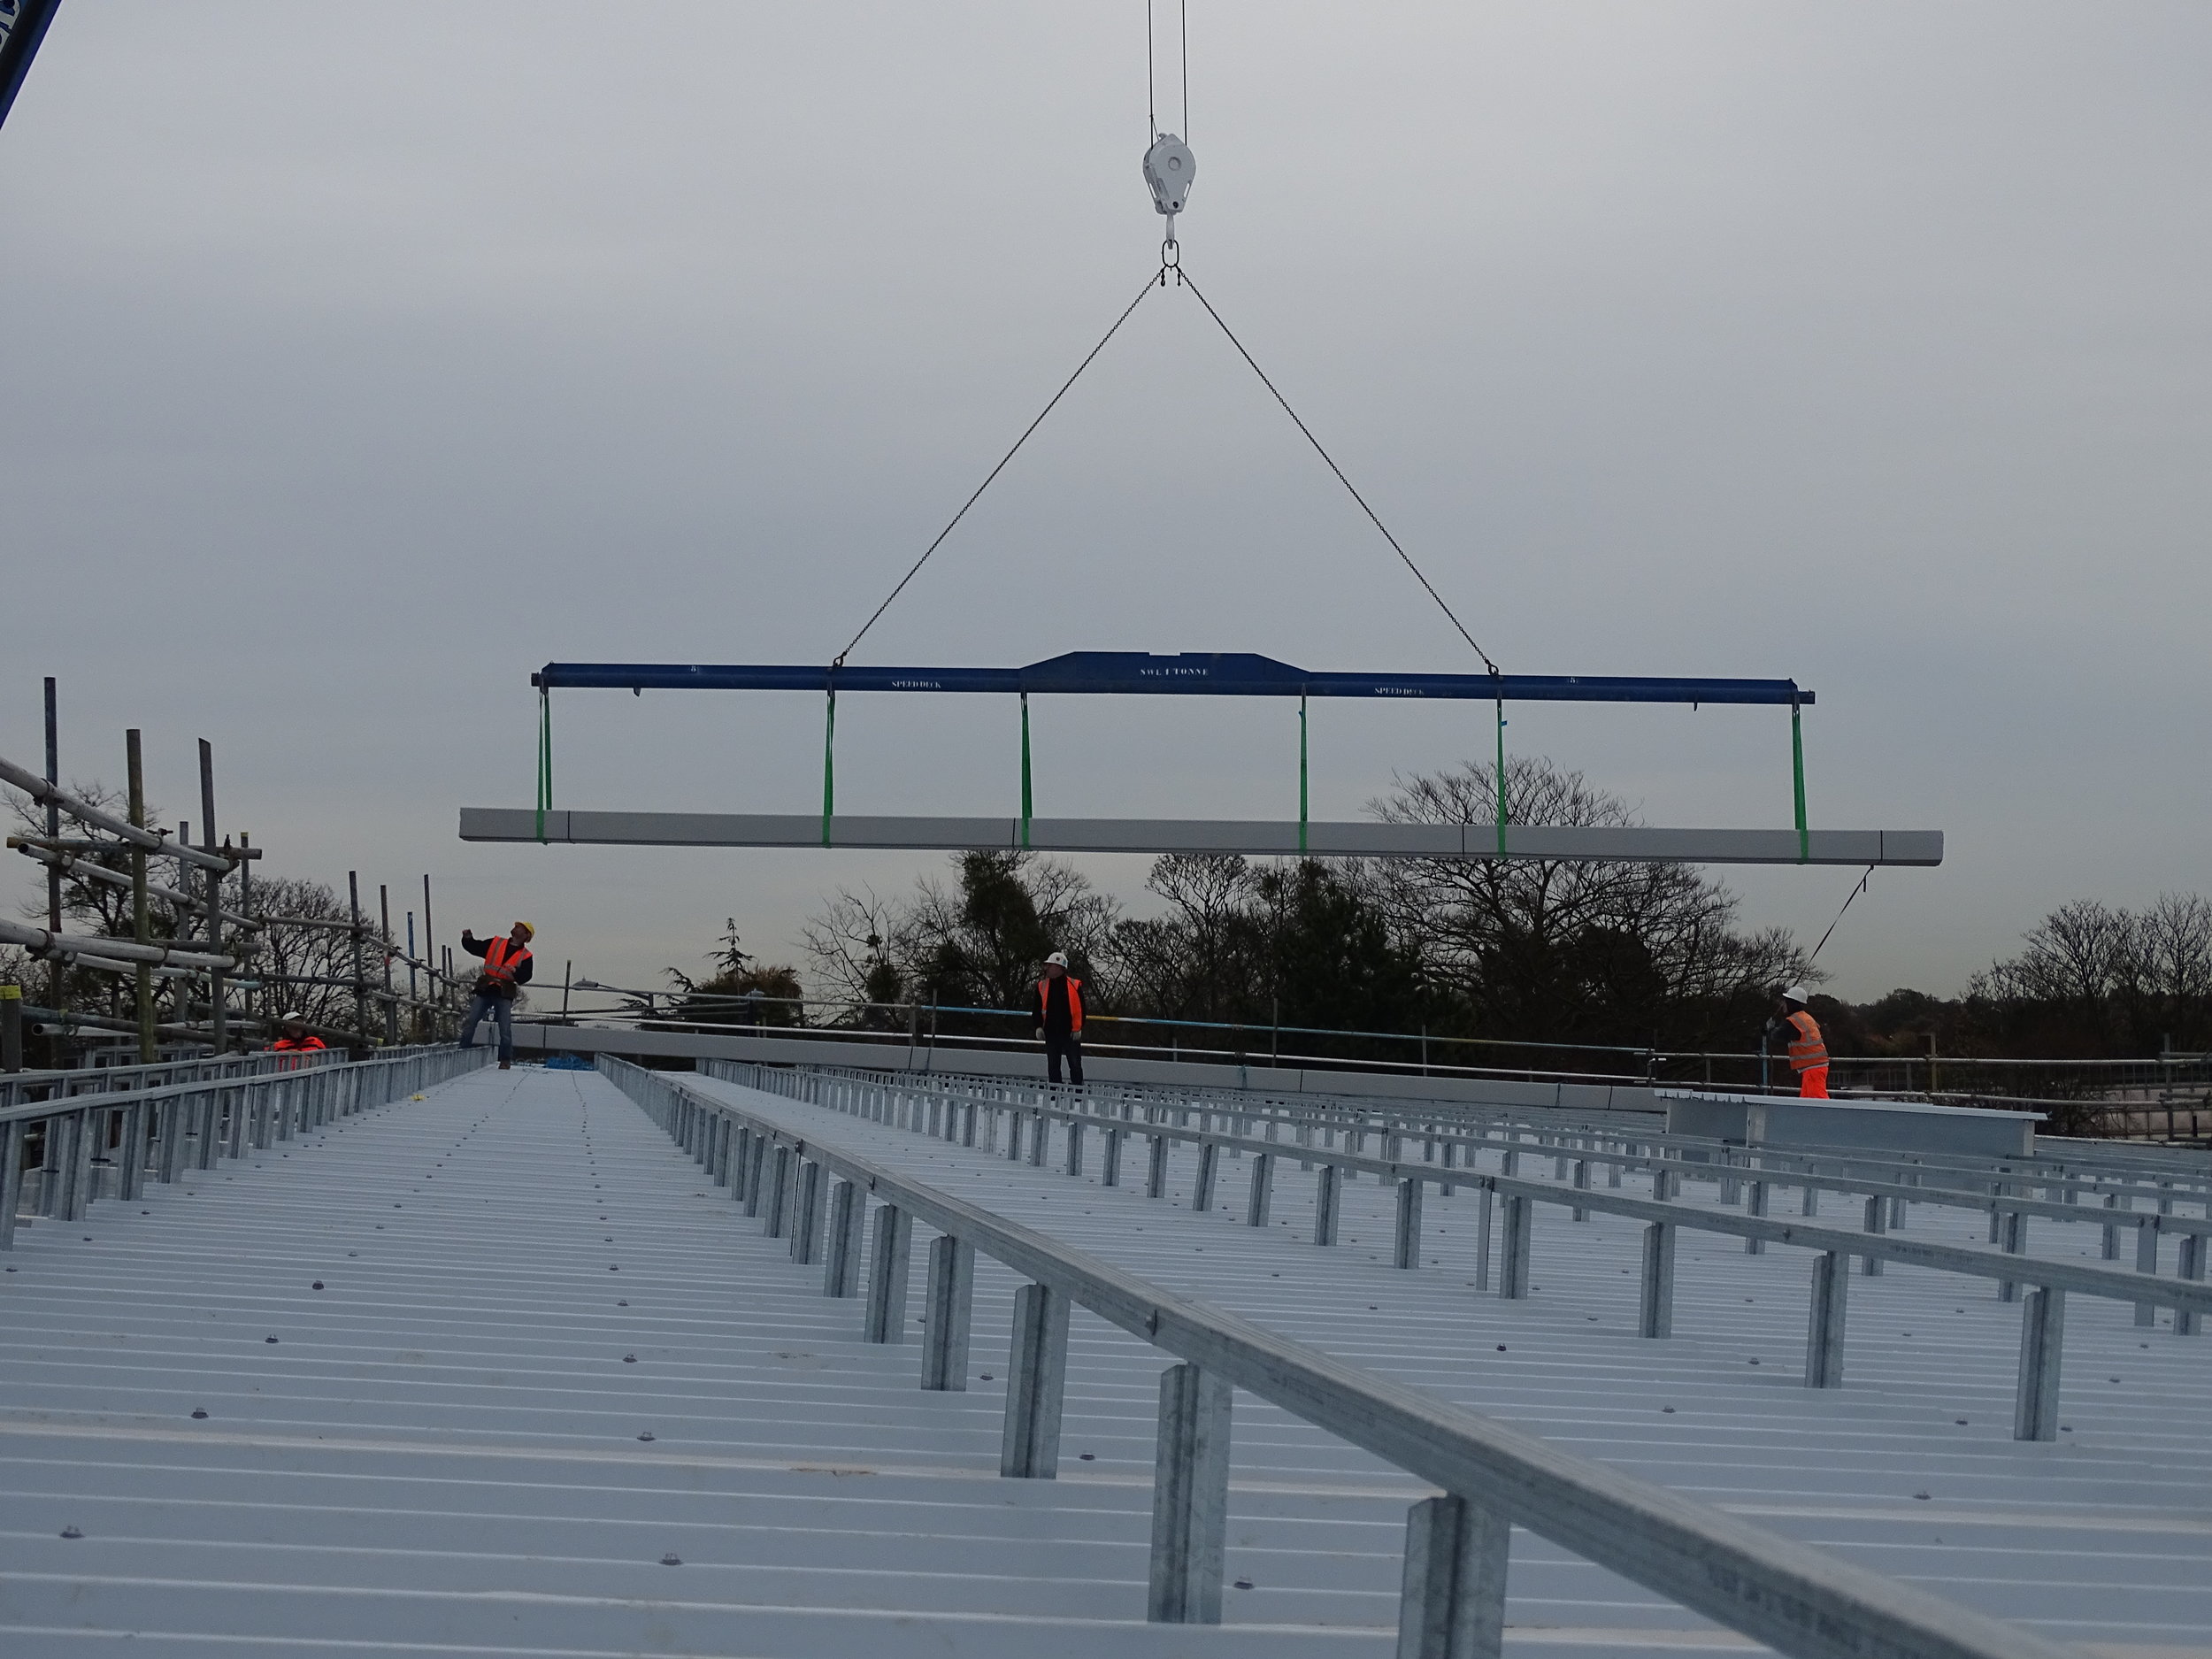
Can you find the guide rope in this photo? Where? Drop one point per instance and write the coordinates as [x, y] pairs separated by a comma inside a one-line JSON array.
[[1855, 893]]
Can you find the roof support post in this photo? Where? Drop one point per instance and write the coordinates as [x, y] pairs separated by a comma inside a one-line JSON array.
[[840, 1261], [1202, 1186], [1452, 1603], [1326, 1203], [1261, 1198], [2147, 1261], [949, 1303], [776, 1197], [1876, 1221], [11, 1137], [1485, 1201], [1029, 1447], [891, 1249], [1514, 1231], [1654, 1315], [1074, 1164], [1190, 1497], [806, 1213], [2042, 1343], [2013, 1239], [1824, 1342], [2192, 1253], [1407, 1250]]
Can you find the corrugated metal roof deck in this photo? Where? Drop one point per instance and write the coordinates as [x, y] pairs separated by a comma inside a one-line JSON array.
[[441, 1451]]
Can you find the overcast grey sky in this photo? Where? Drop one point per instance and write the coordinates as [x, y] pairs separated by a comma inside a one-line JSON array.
[[357, 360]]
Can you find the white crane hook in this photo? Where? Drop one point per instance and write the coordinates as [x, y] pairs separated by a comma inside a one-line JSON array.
[[1169, 169]]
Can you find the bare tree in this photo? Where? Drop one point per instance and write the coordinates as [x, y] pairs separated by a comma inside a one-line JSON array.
[[849, 941], [1550, 949]]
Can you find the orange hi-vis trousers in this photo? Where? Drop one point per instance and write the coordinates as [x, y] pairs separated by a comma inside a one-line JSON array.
[[1812, 1083]]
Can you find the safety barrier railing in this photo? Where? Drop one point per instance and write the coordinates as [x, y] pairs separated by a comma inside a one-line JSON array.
[[18, 1088], [92, 1145], [918, 1027], [1794, 1598], [1505, 1208]]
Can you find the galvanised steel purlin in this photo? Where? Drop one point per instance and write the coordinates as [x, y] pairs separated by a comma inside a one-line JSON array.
[[1793, 1598]]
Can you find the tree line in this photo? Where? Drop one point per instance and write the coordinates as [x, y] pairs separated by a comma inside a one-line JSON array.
[[1638, 957]]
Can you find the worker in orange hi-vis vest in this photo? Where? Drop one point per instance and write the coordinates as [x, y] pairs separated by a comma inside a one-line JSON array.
[[1057, 1015], [1808, 1053], [507, 968]]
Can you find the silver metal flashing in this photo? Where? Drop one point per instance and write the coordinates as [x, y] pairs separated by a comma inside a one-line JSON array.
[[1258, 838]]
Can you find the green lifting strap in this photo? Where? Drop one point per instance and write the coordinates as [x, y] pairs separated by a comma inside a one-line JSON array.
[[829, 767], [1797, 777], [1500, 776], [1024, 768], [545, 757], [1302, 771]]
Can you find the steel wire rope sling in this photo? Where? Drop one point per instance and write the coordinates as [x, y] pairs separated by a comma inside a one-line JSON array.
[[1169, 170]]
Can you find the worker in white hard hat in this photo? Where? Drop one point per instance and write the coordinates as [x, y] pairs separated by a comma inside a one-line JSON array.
[[1058, 1018], [293, 1037], [1809, 1051]]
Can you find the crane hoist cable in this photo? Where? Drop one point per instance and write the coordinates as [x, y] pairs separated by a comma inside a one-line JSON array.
[[1170, 170]]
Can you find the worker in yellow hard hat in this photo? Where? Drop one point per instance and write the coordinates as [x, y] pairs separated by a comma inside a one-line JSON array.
[[507, 968]]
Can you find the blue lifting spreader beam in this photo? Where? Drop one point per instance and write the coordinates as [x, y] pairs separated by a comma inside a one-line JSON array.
[[1194, 674], [1219, 674]]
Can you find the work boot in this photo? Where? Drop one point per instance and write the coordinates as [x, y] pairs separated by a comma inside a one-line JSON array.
[[505, 1064]]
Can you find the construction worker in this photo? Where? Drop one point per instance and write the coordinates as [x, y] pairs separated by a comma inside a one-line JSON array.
[[1058, 1016], [293, 1037], [507, 968], [1808, 1053]]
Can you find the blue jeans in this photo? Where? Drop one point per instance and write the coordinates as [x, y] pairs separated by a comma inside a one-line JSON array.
[[501, 1009]]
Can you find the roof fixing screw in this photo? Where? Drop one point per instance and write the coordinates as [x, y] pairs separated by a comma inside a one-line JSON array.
[[71, 1532]]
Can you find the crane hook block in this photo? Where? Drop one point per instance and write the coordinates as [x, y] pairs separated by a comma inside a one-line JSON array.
[[1169, 168]]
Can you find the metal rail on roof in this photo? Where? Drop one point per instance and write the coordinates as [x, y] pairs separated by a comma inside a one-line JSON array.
[[217, 1109], [1192, 673], [1794, 1598], [2036, 1403]]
